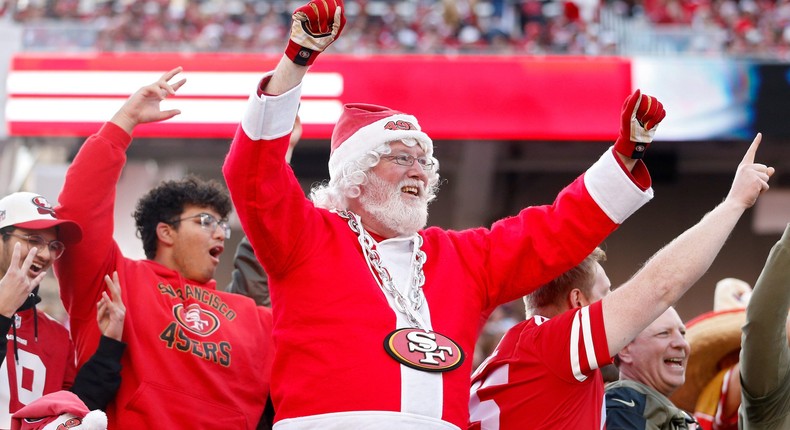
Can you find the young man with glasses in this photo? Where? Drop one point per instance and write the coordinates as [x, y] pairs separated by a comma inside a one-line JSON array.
[[38, 357], [196, 355], [361, 290]]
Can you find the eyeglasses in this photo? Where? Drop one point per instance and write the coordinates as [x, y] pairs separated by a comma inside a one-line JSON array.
[[56, 247], [208, 222], [408, 160]]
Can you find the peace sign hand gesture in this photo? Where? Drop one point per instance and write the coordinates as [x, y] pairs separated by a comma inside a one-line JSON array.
[[16, 285], [110, 311]]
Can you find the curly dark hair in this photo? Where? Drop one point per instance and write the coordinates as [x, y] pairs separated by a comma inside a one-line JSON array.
[[168, 200]]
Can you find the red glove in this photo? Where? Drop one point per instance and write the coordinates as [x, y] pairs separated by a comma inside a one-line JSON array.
[[315, 26], [640, 118]]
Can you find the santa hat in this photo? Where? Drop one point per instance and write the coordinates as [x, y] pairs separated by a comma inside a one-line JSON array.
[[713, 336], [363, 127], [58, 410], [33, 211]]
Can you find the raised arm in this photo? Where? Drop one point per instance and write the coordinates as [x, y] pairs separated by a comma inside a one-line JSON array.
[[88, 195], [314, 27], [88, 198], [266, 195], [765, 356], [677, 266]]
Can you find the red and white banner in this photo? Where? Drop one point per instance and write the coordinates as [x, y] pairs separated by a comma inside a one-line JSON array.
[[457, 98]]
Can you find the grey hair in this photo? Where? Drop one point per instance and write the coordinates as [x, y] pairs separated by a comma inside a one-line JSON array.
[[335, 193]]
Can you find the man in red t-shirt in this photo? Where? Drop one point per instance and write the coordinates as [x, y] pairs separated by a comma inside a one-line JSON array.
[[38, 357]]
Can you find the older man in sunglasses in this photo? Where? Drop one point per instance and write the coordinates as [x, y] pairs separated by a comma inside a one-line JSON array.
[[38, 357]]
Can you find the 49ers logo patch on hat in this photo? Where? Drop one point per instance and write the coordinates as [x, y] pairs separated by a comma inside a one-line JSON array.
[[424, 350], [399, 125], [195, 319], [43, 207]]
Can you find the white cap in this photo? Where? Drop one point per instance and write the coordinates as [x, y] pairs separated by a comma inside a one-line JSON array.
[[33, 211]]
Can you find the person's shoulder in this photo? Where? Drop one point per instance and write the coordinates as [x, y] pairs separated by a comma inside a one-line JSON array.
[[230, 297], [242, 303], [440, 232], [434, 233], [561, 321], [52, 323], [531, 322], [256, 315], [625, 393], [527, 333], [622, 384]]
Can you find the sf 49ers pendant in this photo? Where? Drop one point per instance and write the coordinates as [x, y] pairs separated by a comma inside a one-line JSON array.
[[428, 351]]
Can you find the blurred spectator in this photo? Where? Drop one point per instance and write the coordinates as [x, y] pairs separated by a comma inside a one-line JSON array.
[[652, 366], [736, 27], [712, 387], [499, 322], [765, 357]]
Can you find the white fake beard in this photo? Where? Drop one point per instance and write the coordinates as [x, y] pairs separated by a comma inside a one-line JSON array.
[[385, 203]]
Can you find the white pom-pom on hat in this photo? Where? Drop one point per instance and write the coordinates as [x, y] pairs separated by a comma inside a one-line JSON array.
[[61, 408]]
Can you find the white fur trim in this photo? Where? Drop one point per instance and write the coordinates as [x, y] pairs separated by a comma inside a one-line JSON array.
[[270, 117], [94, 420], [614, 191], [372, 135], [364, 420]]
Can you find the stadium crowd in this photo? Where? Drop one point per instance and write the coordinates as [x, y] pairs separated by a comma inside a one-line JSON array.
[[732, 27]]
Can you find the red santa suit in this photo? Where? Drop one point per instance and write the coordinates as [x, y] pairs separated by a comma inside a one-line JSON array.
[[331, 317], [544, 372], [196, 356]]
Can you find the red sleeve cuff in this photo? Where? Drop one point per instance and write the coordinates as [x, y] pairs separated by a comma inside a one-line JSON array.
[[639, 175], [262, 85], [115, 133]]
